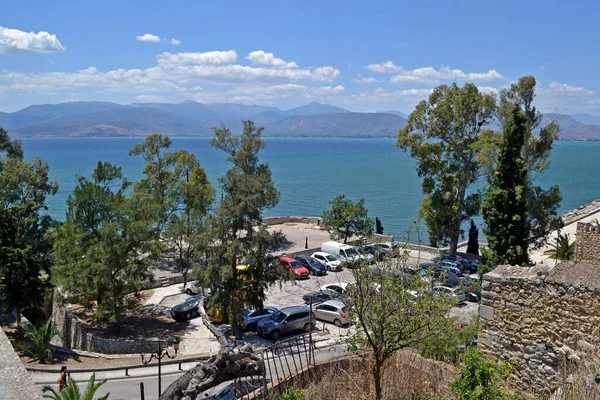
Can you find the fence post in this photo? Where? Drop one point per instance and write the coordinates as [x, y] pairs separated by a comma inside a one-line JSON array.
[[142, 390]]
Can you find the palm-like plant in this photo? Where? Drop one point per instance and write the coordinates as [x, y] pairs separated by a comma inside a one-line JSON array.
[[37, 340], [562, 248], [72, 391]]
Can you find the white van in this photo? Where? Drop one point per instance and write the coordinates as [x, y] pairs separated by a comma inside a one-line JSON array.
[[346, 253]]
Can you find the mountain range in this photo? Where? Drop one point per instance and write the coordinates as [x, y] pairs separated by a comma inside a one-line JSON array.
[[189, 118]]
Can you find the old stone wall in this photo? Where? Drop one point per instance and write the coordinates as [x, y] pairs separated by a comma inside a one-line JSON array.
[[72, 334], [15, 381], [291, 219], [587, 245], [541, 319]]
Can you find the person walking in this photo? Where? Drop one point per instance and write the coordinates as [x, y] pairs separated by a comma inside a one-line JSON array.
[[63, 378]]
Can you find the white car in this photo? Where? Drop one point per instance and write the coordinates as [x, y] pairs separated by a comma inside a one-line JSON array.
[[328, 261], [191, 288], [333, 311], [455, 294], [339, 287]]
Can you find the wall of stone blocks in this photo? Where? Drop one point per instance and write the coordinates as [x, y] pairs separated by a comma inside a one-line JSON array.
[[541, 319], [15, 381], [587, 245]]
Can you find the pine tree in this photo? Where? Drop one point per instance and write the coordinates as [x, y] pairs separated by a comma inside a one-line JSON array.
[[505, 202], [473, 244], [378, 226]]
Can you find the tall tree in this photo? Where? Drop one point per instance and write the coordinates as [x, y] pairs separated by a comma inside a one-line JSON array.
[[378, 226], [392, 311], [24, 242], [103, 250], [505, 202], [473, 243], [237, 235], [441, 136], [176, 195], [346, 218]]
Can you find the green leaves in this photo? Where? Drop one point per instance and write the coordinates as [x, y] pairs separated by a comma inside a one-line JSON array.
[[37, 340], [562, 248], [347, 218], [73, 392]]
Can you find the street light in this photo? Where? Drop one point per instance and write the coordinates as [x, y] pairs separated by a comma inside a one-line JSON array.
[[162, 352]]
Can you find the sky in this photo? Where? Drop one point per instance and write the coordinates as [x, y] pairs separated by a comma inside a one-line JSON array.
[[363, 56]]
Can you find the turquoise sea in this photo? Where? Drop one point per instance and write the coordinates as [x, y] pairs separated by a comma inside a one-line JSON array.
[[311, 171]]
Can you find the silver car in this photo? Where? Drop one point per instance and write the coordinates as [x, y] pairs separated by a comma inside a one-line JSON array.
[[251, 317], [333, 311], [329, 261], [456, 294]]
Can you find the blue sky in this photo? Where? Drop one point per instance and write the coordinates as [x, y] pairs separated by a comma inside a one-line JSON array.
[[364, 56]]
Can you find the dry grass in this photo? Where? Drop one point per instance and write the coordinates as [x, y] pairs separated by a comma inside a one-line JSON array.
[[407, 376]]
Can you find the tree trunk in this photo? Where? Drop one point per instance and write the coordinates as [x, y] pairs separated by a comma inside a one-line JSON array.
[[18, 316], [377, 375], [227, 365]]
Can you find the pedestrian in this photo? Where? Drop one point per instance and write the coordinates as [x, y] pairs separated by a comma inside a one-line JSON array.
[[62, 379]]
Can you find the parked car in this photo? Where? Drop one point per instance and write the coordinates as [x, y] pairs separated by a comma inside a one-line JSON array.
[[295, 267], [456, 294], [339, 287], [390, 247], [251, 317], [368, 257], [473, 288], [467, 266], [328, 261], [286, 320], [313, 266], [320, 296], [333, 311], [378, 251], [191, 288], [223, 391], [187, 309]]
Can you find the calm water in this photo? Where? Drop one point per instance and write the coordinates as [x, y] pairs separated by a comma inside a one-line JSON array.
[[310, 172]]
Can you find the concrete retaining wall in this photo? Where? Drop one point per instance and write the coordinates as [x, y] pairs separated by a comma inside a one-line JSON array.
[[15, 381], [291, 219]]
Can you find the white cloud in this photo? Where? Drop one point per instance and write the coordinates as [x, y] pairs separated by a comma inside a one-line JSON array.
[[488, 90], [148, 37], [328, 90], [208, 58], [384, 68], [370, 79], [262, 59], [379, 99], [150, 98], [568, 90], [15, 41], [325, 74], [175, 42]]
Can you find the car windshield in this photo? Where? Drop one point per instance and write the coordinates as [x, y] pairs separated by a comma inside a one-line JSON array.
[[330, 258], [191, 301], [313, 263], [351, 252], [247, 311], [278, 316], [296, 264]]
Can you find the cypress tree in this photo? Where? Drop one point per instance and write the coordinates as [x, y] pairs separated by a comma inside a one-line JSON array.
[[473, 244], [378, 226], [505, 202]]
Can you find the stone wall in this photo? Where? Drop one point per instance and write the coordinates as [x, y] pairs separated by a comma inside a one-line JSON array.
[[15, 381], [580, 212], [541, 319], [587, 244], [291, 219], [72, 334]]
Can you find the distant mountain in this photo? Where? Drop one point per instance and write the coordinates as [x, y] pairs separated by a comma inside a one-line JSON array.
[[395, 112], [238, 111], [268, 116], [314, 108], [586, 119], [190, 109], [338, 124], [570, 129]]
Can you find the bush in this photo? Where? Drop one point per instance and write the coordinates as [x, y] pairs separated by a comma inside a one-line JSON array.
[[449, 343], [37, 340]]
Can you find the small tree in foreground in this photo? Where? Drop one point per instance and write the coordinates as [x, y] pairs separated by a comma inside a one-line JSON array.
[[72, 391], [480, 379], [346, 218], [37, 340], [562, 249], [392, 310]]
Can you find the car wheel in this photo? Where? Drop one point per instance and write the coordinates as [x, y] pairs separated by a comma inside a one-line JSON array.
[[275, 336], [251, 328], [307, 328], [337, 322], [188, 292], [188, 315]]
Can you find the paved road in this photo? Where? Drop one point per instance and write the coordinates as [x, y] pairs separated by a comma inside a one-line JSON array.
[[122, 387]]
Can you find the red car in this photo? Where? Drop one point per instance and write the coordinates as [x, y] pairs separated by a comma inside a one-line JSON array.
[[294, 266]]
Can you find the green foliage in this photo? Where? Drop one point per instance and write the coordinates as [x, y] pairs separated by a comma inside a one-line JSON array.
[[24, 242], [293, 394], [73, 392], [98, 247], [235, 232], [480, 379], [392, 311], [175, 195], [449, 341], [473, 243], [562, 248], [443, 136], [37, 340], [378, 226], [505, 201], [346, 218]]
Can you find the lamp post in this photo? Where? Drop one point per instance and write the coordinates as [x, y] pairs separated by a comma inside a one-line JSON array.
[[162, 352]]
